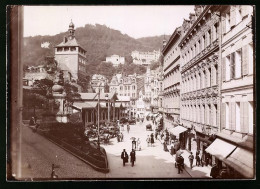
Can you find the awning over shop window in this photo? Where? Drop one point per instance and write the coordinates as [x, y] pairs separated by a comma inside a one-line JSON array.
[[177, 130], [242, 161], [220, 149]]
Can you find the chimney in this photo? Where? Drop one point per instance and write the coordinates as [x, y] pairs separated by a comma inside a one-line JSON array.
[[65, 39]]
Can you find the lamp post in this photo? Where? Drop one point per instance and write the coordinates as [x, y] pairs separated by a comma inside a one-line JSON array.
[[108, 113]]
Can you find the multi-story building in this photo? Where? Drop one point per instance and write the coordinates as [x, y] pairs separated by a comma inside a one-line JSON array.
[[71, 56], [145, 58], [115, 60], [237, 90], [172, 78], [200, 94], [156, 89], [125, 85], [99, 82]]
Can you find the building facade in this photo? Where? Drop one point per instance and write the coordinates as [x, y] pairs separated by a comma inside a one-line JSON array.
[[116, 60], [126, 85], [200, 74], [172, 79], [145, 58], [237, 88], [71, 56], [99, 82]]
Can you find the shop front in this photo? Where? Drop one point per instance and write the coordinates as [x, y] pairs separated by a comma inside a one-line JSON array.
[[235, 161], [179, 133]]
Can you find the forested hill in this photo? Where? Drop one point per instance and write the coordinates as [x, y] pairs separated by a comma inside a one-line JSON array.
[[99, 41]]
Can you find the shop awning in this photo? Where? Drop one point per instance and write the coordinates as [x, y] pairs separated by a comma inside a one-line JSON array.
[[177, 130], [84, 105], [220, 149], [242, 161]]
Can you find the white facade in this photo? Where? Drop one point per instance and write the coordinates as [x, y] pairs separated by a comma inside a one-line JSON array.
[[145, 58], [237, 70], [115, 60]]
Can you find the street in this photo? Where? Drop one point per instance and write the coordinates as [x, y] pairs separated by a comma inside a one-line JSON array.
[[38, 154], [151, 162]]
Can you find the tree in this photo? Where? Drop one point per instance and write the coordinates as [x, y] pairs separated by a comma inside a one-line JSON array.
[[154, 65]]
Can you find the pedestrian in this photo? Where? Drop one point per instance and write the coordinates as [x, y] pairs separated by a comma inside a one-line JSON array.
[[180, 163], [197, 159], [138, 144], [122, 127], [201, 159], [152, 139], [165, 147], [128, 127], [191, 158], [118, 138], [162, 135], [132, 157], [148, 140], [32, 121], [134, 144], [156, 134], [214, 171], [122, 137], [124, 157]]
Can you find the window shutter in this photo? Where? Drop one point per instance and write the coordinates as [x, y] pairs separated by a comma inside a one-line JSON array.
[[230, 116], [224, 69], [232, 65], [245, 60], [246, 120], [232, 16], [223, 25], [223, 115], [233, 116], [242, 116]]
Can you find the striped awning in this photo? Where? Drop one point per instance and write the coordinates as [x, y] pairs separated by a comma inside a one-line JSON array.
[[242, 161], [220, 149]]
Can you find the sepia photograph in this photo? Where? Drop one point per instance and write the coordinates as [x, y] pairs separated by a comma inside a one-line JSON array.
[[131, 92]]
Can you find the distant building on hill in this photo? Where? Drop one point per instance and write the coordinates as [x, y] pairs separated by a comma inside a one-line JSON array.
[[115, 60], [145, 58]]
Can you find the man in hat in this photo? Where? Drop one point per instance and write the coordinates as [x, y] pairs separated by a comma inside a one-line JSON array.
[[132, 157], [124, 157]]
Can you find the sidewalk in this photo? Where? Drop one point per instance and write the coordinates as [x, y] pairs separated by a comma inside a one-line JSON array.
[[195, 172]]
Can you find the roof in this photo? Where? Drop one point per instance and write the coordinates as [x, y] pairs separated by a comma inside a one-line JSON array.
[[94, 96], [84, 105], [123, 98], [70, 43]]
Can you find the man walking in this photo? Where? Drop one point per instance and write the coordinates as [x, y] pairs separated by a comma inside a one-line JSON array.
[[191, 158], [180, 163], [132, 157], [124, 157]]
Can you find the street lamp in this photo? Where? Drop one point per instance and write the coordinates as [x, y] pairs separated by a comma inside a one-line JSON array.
[[108, 113], [98, 142]]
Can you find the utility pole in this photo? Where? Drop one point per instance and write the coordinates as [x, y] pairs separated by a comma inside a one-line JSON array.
[[98, 116]]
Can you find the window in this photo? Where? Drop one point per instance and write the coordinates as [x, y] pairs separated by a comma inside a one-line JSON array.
[[250, 60], [228, 66], [238, 126], [227, 21], [209, 37], [205, 42], [238, 63], [227, 115]]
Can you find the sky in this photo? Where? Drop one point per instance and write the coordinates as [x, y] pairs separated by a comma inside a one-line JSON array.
[[135, 21]]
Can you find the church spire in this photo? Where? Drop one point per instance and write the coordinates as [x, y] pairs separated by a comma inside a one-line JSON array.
[[71, 30]]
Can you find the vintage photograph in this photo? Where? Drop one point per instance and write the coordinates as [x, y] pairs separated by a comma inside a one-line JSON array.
[[131, 92]]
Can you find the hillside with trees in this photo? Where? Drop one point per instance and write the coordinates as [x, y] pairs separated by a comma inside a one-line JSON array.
[[99, 41]]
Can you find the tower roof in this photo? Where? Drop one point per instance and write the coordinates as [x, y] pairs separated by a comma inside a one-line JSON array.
[[71, 24]]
